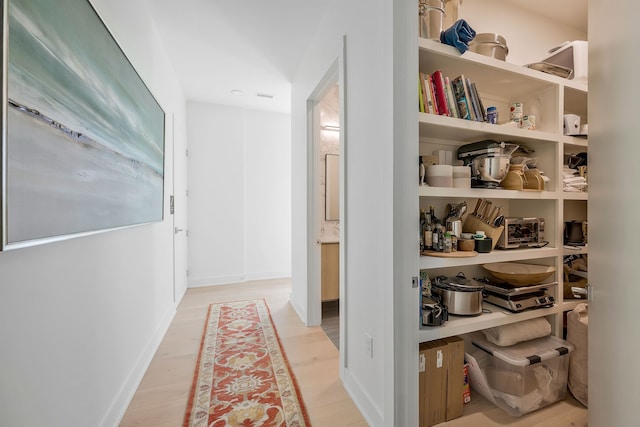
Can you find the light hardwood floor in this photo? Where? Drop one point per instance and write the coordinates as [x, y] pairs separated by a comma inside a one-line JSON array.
[[331, 321], [161, 398]]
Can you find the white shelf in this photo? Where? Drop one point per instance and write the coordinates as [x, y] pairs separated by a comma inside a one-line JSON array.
[[486, 193], [501, 83], [575, 250], [574, 141], [457, 325], [493, 75], [464, 131], [575, 195], [497, 255]]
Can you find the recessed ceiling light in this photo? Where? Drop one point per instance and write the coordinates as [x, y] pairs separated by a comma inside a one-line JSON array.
[[264, 95], [237, 92]]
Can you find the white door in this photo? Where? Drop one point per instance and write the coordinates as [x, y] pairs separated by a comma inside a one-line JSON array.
[[179, 209]]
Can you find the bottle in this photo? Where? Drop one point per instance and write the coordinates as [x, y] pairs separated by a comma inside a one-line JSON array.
[[428, 234], [435, 236], [423, 218], [446, 248], [434, 218], [492, 115], [454, 243]]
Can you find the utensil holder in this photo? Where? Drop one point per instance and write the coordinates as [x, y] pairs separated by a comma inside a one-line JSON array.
[[473, 224]]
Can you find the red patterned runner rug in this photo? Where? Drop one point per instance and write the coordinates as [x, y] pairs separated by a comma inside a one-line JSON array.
[[242, 376]]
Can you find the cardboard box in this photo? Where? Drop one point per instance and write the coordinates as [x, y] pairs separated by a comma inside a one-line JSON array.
[[455, 377], [422, 383], [433, 383]]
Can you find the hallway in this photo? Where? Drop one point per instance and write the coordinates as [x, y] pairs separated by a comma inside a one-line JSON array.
[[161, 398]]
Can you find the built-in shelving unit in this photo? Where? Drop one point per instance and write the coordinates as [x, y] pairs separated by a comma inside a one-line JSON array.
[[499, 84]]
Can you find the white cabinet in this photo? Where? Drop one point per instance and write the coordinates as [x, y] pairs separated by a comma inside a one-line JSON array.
[[548, 97]]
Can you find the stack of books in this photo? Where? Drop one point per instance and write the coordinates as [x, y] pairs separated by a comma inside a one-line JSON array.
[[456, 97]]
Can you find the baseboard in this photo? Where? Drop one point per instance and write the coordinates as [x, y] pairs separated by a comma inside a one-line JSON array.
[[199, 282], [301, 311], [121, 402], [369, 410], [266, 275]]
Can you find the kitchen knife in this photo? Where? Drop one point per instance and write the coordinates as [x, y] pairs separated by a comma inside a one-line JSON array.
[[475, 211], [481, 209], [494, 214], [486, 210]]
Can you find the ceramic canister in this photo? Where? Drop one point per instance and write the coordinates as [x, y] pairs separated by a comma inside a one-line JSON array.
[[461, 177], [440, 175]]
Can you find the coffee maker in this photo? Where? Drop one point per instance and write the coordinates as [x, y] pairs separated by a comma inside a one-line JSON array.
[[575, 233]]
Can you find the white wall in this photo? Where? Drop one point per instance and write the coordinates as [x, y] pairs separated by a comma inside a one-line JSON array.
[[529, 36], [367, 152], [239, 194], [81, 319], [614, 343], [380, 257]]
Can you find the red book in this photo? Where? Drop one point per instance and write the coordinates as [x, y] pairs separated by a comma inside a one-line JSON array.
[[440, 92], [432, 94]]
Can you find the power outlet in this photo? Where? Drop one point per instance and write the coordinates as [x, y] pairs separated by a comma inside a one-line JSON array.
[[369, 345]]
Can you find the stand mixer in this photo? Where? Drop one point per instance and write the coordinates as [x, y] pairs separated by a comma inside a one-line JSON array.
[[489, 161]]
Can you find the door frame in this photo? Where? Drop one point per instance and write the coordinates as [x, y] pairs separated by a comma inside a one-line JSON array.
[[336, 74]]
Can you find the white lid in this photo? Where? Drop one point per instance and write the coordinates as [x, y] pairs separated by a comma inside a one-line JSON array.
[[527, 352]]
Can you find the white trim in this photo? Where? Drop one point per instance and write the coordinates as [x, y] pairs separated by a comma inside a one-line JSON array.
[[342, 99], [120, 403], [362, 399], [314, 298]]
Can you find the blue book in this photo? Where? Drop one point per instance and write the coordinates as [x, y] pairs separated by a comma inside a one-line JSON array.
[[462, 97]]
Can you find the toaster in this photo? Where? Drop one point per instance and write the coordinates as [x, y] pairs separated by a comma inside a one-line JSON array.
[[522, 232]]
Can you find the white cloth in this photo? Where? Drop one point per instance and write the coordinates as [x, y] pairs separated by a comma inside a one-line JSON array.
[[506, 335]]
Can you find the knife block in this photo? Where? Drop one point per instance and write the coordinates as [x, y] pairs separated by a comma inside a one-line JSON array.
[[473, 224]]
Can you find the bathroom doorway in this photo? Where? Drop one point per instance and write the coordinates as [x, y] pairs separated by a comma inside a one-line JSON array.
[[326, 207], [328, 198]]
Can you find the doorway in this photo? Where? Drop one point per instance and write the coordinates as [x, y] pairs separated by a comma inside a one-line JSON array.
[[325, 205], [178, 209], [328, 195]]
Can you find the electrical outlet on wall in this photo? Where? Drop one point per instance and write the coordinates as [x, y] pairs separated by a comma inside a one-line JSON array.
[[369, 345]]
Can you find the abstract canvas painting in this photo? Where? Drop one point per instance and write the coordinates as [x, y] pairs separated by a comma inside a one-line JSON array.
[[84, 137]]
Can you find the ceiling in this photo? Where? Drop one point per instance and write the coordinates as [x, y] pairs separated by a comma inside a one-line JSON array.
[[219, 46]]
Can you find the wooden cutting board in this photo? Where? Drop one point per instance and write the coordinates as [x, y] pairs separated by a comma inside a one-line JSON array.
[[456, 254]]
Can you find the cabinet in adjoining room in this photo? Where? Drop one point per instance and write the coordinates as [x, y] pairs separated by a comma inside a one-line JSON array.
[[330, 271]]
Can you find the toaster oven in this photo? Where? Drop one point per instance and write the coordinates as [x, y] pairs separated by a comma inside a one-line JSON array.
[[522, 232]]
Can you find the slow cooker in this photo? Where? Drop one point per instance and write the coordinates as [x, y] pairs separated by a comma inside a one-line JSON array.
[[460, 295]]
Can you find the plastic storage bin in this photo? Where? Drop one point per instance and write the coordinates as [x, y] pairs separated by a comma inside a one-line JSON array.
[[520, 378]]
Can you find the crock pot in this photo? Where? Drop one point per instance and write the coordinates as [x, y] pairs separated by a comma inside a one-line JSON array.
[[460, 295]]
